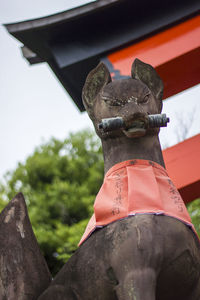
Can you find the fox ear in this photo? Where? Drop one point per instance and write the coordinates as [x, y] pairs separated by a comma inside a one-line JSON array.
[[95, 81], [148, 75]]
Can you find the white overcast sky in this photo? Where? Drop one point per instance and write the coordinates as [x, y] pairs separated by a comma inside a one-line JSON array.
[[33, 104]]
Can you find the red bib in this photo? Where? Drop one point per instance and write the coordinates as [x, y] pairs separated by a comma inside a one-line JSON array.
[[136, 187]]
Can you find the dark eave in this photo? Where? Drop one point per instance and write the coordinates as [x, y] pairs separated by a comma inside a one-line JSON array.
[[73, 42], [58, 18]]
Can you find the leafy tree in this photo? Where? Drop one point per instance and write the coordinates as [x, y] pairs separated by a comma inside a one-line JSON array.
[[59, 181], [194, 211]]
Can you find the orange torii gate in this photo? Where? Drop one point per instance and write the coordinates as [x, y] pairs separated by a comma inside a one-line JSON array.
[[183, 165], [166, 35], [174, 52]]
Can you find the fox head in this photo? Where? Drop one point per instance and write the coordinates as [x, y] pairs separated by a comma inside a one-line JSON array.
[[132, 99]]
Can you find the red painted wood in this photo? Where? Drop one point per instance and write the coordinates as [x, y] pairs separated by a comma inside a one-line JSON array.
[[183, 166], [174, 53]]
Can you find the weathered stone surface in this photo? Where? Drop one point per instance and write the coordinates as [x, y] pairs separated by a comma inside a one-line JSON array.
[[146, 256], [23, 271]]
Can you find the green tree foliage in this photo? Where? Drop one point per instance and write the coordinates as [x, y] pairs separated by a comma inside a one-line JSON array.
[[194, 211], [59, 181]]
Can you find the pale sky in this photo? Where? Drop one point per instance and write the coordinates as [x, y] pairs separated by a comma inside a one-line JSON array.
[[33, 104]]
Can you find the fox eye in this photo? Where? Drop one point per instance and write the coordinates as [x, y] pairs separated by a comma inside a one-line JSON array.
[[145, 99]]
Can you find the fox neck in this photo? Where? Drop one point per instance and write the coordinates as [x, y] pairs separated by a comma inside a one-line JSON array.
[[116, 150]]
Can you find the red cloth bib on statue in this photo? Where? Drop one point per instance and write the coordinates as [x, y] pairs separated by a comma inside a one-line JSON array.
[[136, 187]]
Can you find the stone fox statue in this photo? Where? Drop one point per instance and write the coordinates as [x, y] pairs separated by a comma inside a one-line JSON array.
[[140, 243]]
